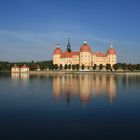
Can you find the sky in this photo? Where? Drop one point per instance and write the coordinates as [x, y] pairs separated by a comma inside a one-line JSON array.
[[31, 29]]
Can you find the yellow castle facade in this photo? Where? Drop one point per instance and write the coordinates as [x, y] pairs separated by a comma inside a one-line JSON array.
[[85, 56]]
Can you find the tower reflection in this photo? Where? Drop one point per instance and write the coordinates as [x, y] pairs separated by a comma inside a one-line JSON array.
[[84, 86]]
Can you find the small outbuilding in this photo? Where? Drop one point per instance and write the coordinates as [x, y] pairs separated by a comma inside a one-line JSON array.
[[15, 68], [24, 68]]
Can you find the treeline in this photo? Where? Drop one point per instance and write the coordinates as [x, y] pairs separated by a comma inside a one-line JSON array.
[[6, 66], [126, 67], [108, 67], [48, 65]]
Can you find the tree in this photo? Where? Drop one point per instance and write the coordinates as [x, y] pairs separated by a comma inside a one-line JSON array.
[[124, 66], [33, 66], [115, 67], [69, 66], [119, 65], [51, 66], [55, 66], [77, 66], [138, 67], [134, 66], [108, 67], [42, 66], [94, 67], [100, 67], [61, 67], [83, 66], [66, 67], [73, 67], [4, 65], [130, 67]]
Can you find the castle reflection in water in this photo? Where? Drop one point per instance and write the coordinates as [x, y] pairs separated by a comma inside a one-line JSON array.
[[85, 86]]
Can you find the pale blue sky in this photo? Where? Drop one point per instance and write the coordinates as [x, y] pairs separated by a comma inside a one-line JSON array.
[[30, 29]]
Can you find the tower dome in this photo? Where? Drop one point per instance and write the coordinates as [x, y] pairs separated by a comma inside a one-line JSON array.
[[57, 51], [85, 47], [111, 50]]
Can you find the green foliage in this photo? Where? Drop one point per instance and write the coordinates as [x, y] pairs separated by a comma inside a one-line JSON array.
[[55, 66], [73, 67], [33, 66], [69, 66], [5, 66], [138, 67], [124, 66], [83, 66], [77, 66], [94, 67], [61, 67], [130, 67], [66, 67], [108, 67], [119, 65], [100, 66], [115, 67]]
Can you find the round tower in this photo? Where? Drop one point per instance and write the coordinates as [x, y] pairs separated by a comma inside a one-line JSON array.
[[111, 55], [85, 55], [56, 55]]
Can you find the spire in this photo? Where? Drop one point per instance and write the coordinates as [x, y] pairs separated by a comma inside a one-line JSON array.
[[111, 45], [85, 42], [57, 45], [69, 46]]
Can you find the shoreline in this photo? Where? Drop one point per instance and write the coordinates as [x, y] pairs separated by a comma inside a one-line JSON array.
[[75, 72]]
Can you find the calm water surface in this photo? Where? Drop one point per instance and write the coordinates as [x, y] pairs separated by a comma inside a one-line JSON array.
[[69, 106]]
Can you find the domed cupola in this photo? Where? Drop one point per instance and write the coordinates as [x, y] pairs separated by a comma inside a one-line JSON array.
[[57, 51], [111, 51], [85, 47]]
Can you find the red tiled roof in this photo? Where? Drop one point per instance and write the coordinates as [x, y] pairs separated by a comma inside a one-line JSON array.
[[111, 51], [24, 66], [57, 51], [75, 53], [67, 54], [85, 48], [100, 54], [15, 66]]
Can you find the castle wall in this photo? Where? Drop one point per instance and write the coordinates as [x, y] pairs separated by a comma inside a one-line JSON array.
[[56, 59], [85, 57]]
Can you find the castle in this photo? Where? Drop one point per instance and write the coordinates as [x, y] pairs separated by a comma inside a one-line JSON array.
[[85, 56]]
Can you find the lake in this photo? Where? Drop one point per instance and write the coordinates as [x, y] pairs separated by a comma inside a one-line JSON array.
[[69, 106]]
